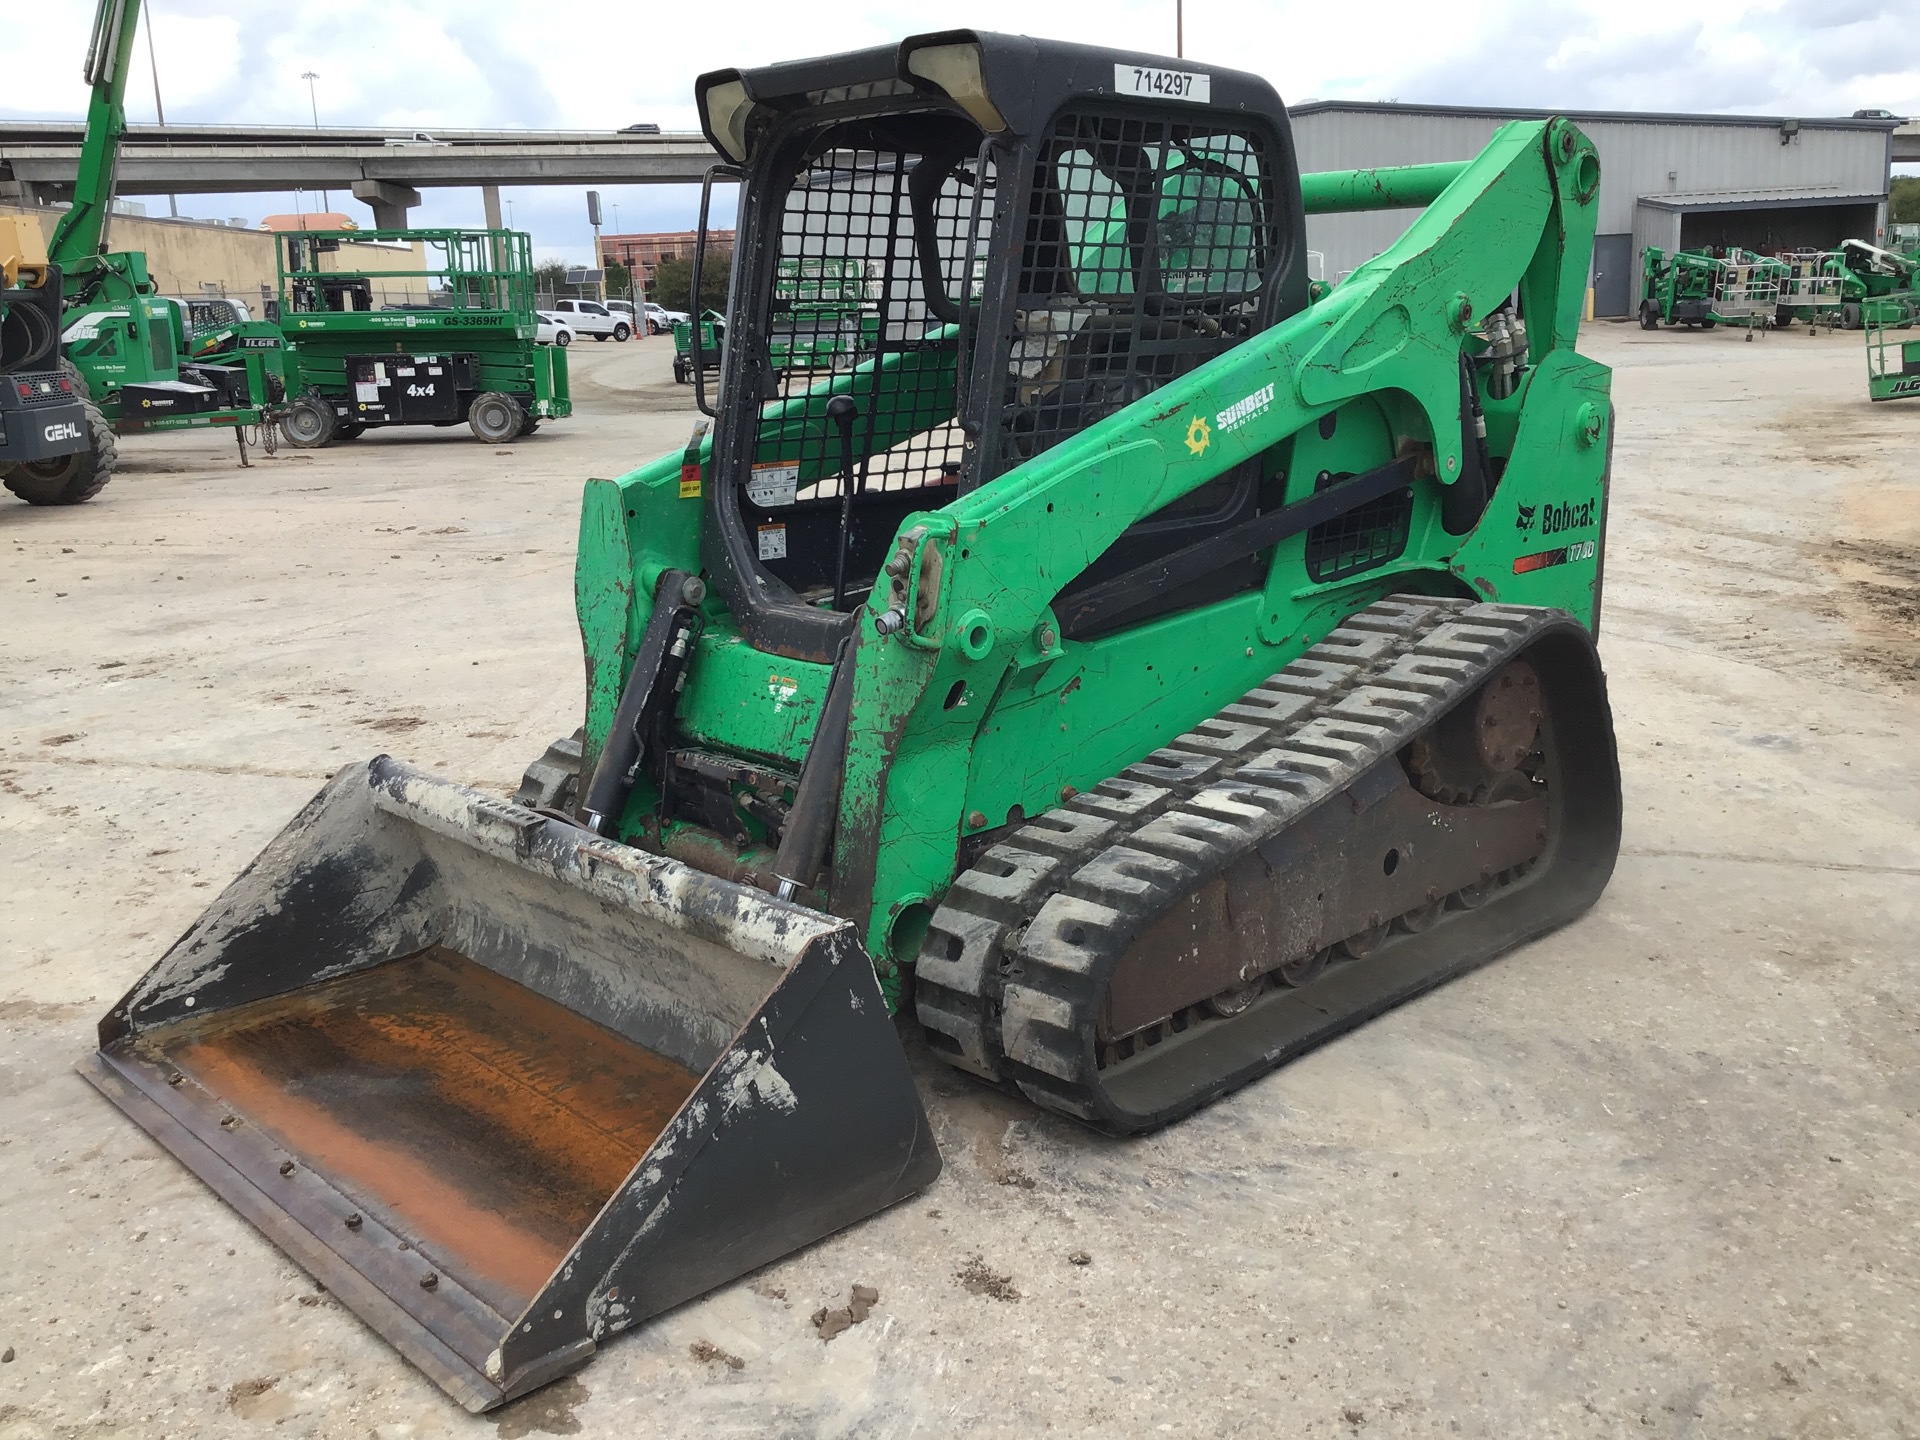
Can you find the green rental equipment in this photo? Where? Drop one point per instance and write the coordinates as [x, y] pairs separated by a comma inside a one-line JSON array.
[[1124, 665], [417, 327], [130, 351]]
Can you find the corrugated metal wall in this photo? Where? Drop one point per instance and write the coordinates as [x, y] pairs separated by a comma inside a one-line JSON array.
[[1637, 158]]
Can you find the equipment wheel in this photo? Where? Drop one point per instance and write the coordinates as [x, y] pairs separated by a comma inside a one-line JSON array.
[[680, 375], [530, 424], [1782, 318], [1850, 316], [69, 479], [1649, 315], [495, 418], [623, 332], [1708, 322], [347, 430], [309, 422]]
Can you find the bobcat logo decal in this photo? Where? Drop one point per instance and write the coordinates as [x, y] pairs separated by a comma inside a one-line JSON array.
[[1524, 520]]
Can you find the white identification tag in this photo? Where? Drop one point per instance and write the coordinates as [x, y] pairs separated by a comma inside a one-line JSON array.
[[773, 485], [773, 542], [1162, 84]]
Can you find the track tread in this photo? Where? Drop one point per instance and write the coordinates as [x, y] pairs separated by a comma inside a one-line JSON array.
[[1011, 979]]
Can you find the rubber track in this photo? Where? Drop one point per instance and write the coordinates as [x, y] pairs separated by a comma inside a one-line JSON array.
[[1013, 970]]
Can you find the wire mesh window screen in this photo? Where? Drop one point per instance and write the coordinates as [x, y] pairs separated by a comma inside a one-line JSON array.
[[1365, 538], [1146, 247], [857, 286]]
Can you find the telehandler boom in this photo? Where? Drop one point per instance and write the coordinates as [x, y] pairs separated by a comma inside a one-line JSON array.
[[1132, 666]]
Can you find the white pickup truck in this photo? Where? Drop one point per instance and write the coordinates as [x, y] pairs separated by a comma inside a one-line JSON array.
[[590, 317]]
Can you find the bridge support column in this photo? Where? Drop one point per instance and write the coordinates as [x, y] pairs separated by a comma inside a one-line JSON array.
[[390, 202], [490, 199]]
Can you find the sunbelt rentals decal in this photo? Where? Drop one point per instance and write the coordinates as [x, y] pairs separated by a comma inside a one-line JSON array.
[[1200, 434], [1241, 411]]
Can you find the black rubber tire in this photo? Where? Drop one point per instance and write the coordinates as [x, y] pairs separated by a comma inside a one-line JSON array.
[[563, 338], [601, 338], [680, 375], [1782, 318], [309, 422], [530, 424], [623, 332], [495, 418], [72, 372], [1649, 315], [344, 430], [1852, 317], [1708, 323], [69, 479]]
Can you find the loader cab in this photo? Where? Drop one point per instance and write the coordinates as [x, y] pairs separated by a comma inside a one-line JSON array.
[[985, 243]]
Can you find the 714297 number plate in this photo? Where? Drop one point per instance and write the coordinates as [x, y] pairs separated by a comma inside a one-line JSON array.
[[1162, 84]]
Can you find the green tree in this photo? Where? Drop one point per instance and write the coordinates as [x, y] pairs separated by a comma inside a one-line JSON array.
[[1904, 204], [619, 283], [673, 283], [550, 276]]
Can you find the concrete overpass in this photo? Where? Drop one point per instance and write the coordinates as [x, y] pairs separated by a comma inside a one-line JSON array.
[[385, 168], [1906, 143]]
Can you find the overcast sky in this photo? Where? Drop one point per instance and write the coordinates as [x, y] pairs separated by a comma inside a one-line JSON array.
[[572, 64]]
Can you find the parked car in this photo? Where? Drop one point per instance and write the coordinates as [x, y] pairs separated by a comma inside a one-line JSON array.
[[661, 321], [552, 329], [590, 317]]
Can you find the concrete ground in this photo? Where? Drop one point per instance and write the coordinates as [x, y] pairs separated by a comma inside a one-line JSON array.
[[1654, 1175]]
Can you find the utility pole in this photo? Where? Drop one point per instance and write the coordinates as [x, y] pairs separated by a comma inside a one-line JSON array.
[[599, 260], [159, 110], [313, 105], [1180, 29]]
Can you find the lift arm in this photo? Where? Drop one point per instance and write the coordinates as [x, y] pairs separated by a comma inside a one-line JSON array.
[[78, 246]]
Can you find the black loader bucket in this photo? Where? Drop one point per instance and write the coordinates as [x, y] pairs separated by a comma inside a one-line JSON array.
[[506, 1088]]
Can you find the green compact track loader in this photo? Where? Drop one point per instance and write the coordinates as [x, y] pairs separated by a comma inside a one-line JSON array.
[[437, 330], [1131, 665]]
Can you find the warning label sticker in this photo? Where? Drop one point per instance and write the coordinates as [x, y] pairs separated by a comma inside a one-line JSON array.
[[773, 542], [773, 485]]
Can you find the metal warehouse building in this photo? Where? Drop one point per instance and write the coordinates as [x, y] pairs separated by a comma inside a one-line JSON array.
[[1666, 180]]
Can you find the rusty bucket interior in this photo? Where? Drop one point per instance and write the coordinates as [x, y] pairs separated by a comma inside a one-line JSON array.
[[506, 1088]]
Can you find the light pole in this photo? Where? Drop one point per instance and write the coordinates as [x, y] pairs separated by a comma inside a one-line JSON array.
[[313, 105], [159, 110]]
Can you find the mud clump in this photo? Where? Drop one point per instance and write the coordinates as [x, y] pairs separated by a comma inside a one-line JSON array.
[[706, 1352], [242, 1391], [976, 1279], [829, 1323], [1079, 1257]]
